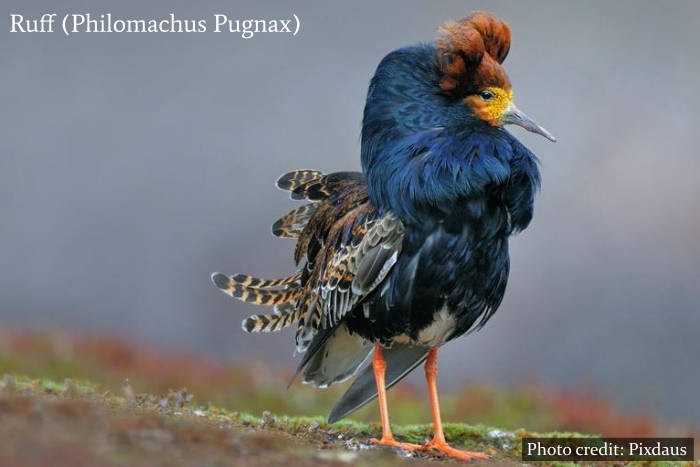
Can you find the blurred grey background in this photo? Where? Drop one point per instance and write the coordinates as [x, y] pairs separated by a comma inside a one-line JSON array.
[[134, 165]]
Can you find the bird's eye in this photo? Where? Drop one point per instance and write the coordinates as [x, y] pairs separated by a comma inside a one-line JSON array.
[[486, 95]]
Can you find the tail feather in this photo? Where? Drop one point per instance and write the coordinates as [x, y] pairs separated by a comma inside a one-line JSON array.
[[321, 188], [400, 361], [259, 283], [255, 295], [252, 290], [273, 322], [291, 224], [292, 180], [316, 190], [336, 359]]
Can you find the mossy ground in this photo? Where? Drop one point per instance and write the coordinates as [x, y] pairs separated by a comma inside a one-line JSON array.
[[96, 401], [76, 422], [74, 419], [254, 387]]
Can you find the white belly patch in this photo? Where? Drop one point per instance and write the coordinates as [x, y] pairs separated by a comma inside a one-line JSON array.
[[435, 334]]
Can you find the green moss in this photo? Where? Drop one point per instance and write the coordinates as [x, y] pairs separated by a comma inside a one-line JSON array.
[[179, 405]]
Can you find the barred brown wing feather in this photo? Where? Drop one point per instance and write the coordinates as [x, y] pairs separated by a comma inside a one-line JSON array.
[[259, 283], [291, 180], [321, 187], [285, 316], [255, 295], [351, 270], [293, 223]]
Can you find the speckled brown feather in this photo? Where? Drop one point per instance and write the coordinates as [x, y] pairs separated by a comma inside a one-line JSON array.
[[292, 180], [339, 265], [259, 283], [292, 224], [321, 239], [285, 316], [328, 214], [250, 294], [346, 246]]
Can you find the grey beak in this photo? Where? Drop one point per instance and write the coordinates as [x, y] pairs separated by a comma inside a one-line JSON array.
[[514, 116]]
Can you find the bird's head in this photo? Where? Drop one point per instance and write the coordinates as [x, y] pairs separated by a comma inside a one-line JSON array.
[[470, 54]]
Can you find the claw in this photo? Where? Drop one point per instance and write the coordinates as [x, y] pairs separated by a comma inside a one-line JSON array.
[[392, 443], [449, 451]]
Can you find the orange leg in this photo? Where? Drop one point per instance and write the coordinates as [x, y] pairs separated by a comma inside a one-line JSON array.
[[379, 367], [438, 442]]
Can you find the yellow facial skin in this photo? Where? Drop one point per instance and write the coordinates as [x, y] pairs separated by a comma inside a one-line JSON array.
[[490, 110]]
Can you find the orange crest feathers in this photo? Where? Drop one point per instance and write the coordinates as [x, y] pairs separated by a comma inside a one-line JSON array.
[[470, 53]]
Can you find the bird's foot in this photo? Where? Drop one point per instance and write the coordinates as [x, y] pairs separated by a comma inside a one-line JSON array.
[[442, 447], [391, 442]]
